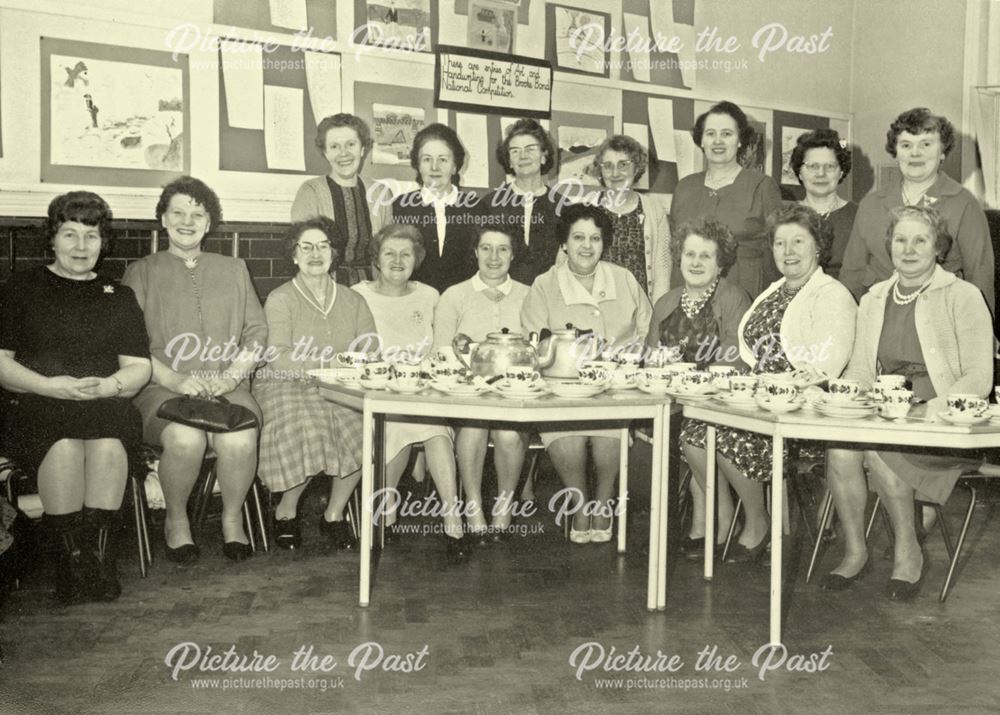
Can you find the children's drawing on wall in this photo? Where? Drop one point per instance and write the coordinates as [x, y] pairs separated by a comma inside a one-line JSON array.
[[394, 129], [492, 25], [789, 137], [399, 23], [580, 39], [755, 154], [116, 114], [577, 149]]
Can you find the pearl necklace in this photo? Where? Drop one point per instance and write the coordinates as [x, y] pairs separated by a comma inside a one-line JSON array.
[[901, 299], [825, 211], [723, 179], [583, 275]]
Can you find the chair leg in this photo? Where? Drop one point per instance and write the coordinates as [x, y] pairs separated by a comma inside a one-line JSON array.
[[732, 528], [140, 527], [945, 531], [248, 525], [796, 487], [871, 519], [823, 521], [959, 544], [261, 520]]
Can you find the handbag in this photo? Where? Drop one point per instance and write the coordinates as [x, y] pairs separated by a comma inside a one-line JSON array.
[[216, 414]]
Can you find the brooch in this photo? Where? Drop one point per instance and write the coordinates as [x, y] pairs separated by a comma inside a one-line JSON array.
[[109, 289]]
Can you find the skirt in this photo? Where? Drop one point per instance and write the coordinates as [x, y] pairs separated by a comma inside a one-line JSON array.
[[152, 396], [304, 435], [932, 476], [550, 432], [403, 431]]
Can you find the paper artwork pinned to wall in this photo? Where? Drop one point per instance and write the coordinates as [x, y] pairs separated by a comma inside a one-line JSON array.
[[492, 26], [394, 128], [577, 149], [789, 136]]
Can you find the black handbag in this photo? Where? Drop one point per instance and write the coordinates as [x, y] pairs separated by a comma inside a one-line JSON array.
[[216, 414]]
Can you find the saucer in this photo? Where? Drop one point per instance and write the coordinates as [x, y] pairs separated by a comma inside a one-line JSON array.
[[460, 388], [406, 389], [575, 389], [653, 389], [374, 384], [779, 408], [963, 420], [736, 400], [845, 412], [521, 394]]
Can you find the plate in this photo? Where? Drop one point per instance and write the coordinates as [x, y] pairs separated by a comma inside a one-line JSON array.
[[522, 394], [735, 400], [459, 388], [406, 389], [964, 420], [858, 403], [849, 413], [780, 408], [575, 389], [653, 389], [374, 384]]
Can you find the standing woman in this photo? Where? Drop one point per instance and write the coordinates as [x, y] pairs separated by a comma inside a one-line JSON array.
[[919, 141], [73, 349], [207, 332], [345, 141], [740, 198], [822, 162], [641, 235], [524, 204], [445, 217]]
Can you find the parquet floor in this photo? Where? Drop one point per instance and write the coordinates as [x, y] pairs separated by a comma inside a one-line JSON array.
[[500, 632]]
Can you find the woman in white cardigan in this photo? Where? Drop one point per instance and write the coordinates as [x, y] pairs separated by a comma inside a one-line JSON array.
[[934, 328], [802, 322]]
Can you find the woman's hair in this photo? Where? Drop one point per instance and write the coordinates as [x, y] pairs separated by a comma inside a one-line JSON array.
[[919, 120], [531, 128], [443, 133], [799, 215], [744, 131], [198, 191], [398, 230], [581, 212], [83, 207], [320, 223], [710, 230], [626, 145], [821, 139], [931, 217], [344, 120]]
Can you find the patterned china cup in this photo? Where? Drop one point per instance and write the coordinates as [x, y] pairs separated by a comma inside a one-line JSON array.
[[377, 371], [893, 382], [967, 404], [722, 374], [656, 377], [407, 375], [695, 379], [661, 356], [596, 372], [351, 359], [896, 403], [624, 376], [743, 385], [521, 376], [448, 372], [779, 391], [844, 390]]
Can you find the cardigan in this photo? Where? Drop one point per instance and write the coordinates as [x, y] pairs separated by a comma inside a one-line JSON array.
[[817, 329], [953, 327], [729, 303], [463, 309], [313, 199], [866, 260], [504, 210]]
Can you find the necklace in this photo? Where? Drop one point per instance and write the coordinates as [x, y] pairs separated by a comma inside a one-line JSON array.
[[790, 291], [583, 275], [823, 211], [693, 305], [719, 180], [903, 299]]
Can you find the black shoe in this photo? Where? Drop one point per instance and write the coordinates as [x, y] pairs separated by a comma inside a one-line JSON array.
[[102, 532], [694, 549], [74, 567], [457, 551], [236, 551], [186, 554], [740, 554], [480, 537], [836, 582], [899, 590], [288, 533], [393, 534], [338, 534]]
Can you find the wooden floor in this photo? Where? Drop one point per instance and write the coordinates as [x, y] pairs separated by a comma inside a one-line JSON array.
[[500, 632]]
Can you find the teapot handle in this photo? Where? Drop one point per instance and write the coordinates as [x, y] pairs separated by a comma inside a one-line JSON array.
[[463, 345]]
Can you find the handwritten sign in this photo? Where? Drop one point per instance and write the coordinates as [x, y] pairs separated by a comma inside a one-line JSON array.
[[477, 81]]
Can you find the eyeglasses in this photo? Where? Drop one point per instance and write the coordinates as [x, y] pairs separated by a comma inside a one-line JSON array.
[[530, 150], [815, 167], [621, 166], [323, 247]]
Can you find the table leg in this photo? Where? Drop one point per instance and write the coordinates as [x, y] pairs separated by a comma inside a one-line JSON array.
[[367, 464], [777, 512], [663, 442], [655, 485], [378, 480], [622, 489], [710, 435]]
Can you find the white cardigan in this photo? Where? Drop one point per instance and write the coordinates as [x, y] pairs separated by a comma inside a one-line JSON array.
[[817, 329]]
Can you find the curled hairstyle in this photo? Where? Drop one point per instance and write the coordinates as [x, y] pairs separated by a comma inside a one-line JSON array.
[[931, 217], [320, 223], [820, 139], [199, 192], [920, 120], [581, 212], [398, 230], [744, 130], [530, 128], [627, 145], [808, 219], [83, 207], [710, 230], [443, 133], [343, 119]]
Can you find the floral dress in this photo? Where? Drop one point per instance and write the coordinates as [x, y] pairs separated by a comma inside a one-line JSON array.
[[628, 245]]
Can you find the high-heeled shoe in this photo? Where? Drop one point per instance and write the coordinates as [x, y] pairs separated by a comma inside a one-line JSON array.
[[899, 590], [694, 549], [236, 551], [836, 582], [457, 551], [288, 533], [185, 554], [338, 534], [601, 536], [740, 554]]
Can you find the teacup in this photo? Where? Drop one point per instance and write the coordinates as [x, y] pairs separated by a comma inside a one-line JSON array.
[[895, 403], [656, 377], [844, 390], [721, 375], [779, 391], [743, 385], [596, 372], [445, 355], [894, 382], [696, 380], [960, 403], [377, 371], [351, 359], [624, 376], [407, 375], [661, 356], [521, 376], [448, 372]]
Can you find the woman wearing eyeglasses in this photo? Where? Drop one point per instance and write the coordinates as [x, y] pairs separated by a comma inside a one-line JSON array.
[[641, 237], [523, 207], [822, 162]]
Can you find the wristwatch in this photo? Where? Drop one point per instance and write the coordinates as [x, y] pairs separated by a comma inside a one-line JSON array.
[[119, 387]]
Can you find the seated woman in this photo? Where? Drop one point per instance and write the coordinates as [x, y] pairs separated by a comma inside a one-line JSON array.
[[73, 349], [804, 321], [309, 319], [486, 303], [404, 315], [699, 322], [932, 327], [207, 332], [590, 294]]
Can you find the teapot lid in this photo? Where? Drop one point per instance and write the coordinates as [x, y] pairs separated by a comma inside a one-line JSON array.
[[504, 336]]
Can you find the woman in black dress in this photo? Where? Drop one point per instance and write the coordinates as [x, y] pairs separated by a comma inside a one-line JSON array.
[[73, 350]]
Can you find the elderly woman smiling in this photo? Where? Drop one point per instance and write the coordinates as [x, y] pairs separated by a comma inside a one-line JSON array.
[[699, 322], [593, 295], [928, 325]]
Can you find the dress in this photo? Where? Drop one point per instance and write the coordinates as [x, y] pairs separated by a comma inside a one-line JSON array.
[[59, 326], [627, 247], [840, 221], [529, 219], [303, 434], [198, 319], [743, 206], [405, 327]]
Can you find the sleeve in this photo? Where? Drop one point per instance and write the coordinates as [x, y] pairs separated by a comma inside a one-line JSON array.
[[131, 333], [834, 321], [135, 278], [659, 277], [535, 311], [856, 257], [365, 321], [861, 367], [278, 315], [643, 309], [447, 317], [976, 247], [12, 316], [732, 310], [770, 196], [975, 345], [254, 322], [306, 204]]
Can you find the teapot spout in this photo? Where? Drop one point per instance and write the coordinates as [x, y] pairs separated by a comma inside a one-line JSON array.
[[462, 345], [544, 347]]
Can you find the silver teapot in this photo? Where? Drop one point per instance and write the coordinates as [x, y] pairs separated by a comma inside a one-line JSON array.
[[494, 355], [560, 352]]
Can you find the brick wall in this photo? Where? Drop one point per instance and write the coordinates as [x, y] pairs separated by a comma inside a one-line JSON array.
[[22, 245]]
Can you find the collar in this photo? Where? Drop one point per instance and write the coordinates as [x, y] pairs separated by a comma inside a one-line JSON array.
[[574, 293], [431, 199], [530, 195], [506, 287], [892, 190], [940, 279], [311, 300]]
